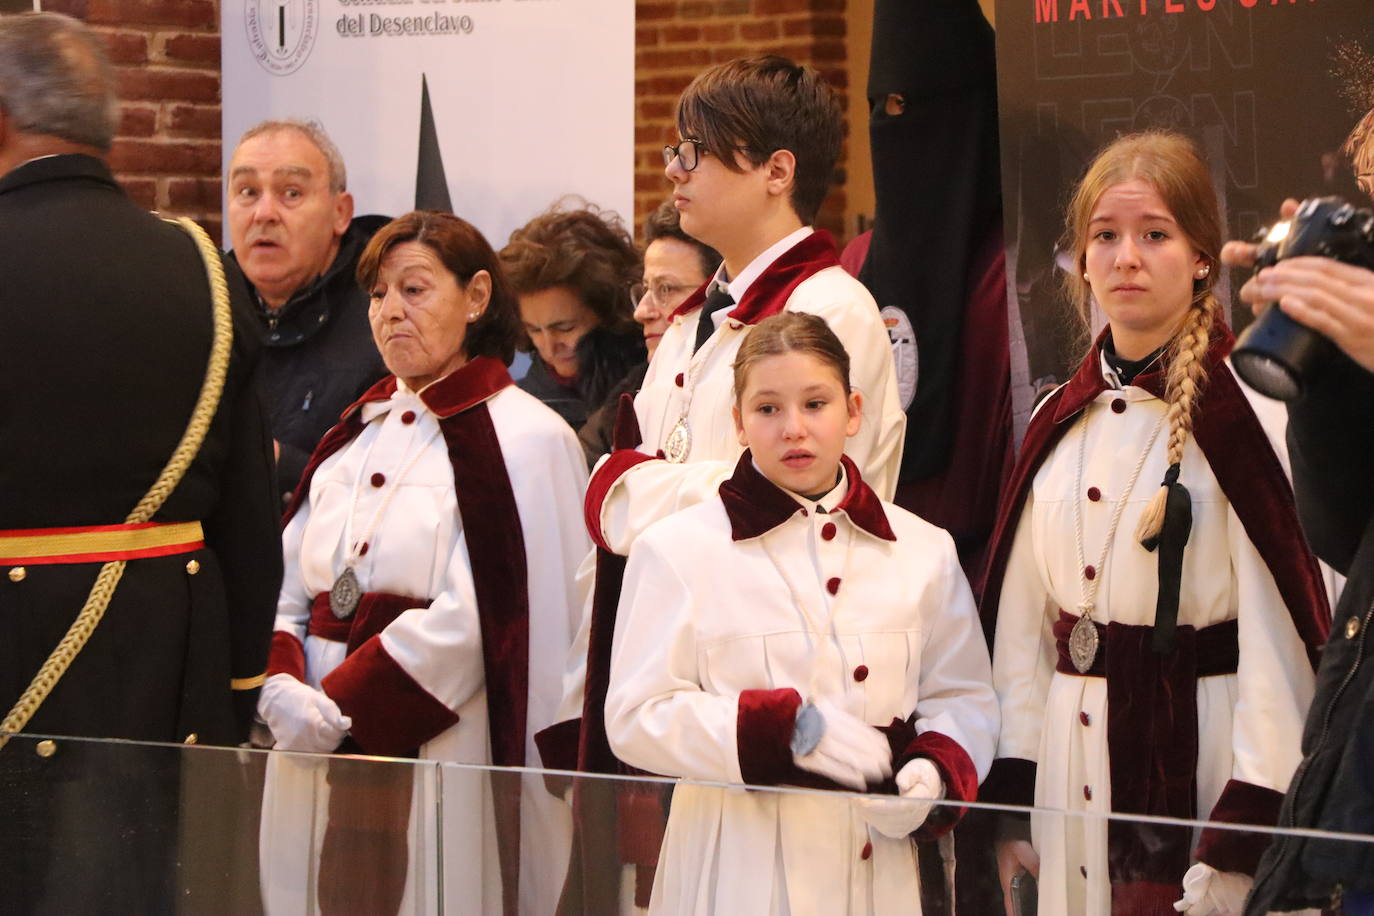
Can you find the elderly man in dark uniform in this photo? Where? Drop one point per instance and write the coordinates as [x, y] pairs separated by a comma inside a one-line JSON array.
[[108, 332]]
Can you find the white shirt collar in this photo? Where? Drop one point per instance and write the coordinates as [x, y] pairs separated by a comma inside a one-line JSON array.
[[826, 503], [740, 284]]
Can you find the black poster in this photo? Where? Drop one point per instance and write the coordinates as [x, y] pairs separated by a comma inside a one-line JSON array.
[[1271, 89]]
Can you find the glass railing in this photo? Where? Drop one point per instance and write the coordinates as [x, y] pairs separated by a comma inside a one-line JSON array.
[[91, 826]]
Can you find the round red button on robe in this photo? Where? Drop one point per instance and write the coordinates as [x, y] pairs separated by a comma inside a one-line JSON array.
[[1118, 406], [408, 417], [833, 585], [1094, 494], [828, 531], [678, 380], [861, 673], [1089, 572], [378, 479], [867, 851]]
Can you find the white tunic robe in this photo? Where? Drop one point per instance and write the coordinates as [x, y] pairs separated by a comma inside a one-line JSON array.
[[419, 548], [1249, 723], [650, 491], [703, 618]]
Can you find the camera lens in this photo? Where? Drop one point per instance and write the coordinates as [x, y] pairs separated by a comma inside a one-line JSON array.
[[1267, 375], [1275, 353]]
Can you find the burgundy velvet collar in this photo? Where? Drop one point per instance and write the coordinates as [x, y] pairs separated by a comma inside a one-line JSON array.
[[465, 387], [1239, 454], [769, 293], [755, 505], [470, 384]]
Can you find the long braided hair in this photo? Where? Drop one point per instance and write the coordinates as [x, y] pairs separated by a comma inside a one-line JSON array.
[[1174, 167]]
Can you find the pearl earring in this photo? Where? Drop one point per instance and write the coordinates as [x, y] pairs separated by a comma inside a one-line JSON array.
[[1085, 275], [1203, 272], [472, 316]]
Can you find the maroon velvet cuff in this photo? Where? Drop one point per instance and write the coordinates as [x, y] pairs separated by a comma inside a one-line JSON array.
[[956, 769], [286, 656], [601, 483], [1239, 850], [1011, 781], [763, 734], [557, 744], [392, 714]]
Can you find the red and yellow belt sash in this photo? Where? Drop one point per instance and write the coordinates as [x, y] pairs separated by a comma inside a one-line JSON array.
[[98, 543]]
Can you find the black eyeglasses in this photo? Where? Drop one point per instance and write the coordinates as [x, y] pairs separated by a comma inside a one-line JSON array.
[[688, 152]]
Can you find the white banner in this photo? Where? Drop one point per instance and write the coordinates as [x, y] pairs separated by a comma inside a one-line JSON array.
[[531, 100]]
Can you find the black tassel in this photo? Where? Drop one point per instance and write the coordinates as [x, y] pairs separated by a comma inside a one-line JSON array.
[[1172, 538]]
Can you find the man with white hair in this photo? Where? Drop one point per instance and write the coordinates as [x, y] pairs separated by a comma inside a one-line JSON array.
[[295, 237]]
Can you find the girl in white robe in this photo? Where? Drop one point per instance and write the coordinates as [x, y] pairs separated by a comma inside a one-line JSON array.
[[798, 631], [1154, 644]]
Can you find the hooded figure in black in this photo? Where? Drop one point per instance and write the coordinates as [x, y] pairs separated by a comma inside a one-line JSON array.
[[935, 266], [935, 262]]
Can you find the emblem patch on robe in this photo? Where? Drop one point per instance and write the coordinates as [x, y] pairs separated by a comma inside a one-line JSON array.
[[905, 359]]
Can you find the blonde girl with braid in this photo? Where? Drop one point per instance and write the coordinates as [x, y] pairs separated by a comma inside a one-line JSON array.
[[1148, 534]]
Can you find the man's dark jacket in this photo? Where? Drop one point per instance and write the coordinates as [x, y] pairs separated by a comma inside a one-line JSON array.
[[107, 327], [320, 356], [1330, 438]]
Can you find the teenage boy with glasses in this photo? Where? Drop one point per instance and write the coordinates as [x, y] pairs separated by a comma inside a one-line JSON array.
[[759, 142]]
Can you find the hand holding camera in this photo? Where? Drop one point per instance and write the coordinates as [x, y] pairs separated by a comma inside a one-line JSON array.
[[1316, 268]]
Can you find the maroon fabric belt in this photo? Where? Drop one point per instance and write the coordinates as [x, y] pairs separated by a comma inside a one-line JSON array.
[[374, 613], [1152, 750], [1218, 651]]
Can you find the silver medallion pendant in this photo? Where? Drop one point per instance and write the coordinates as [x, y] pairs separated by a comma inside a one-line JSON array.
[[1083, 644], [345, 594], [679, 442]]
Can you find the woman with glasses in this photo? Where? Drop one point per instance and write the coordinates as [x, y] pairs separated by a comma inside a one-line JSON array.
[[570, 270], [675, 265]]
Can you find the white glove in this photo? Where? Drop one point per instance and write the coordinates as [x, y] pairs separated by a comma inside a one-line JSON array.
[[851, 752], [301, 718], [920, 786], [1208, 892]]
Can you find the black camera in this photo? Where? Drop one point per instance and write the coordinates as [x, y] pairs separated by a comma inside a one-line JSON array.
[[1276, 355]]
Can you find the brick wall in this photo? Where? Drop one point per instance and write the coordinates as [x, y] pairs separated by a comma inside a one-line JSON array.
[[167, 147], [676, 39], [167, 151]]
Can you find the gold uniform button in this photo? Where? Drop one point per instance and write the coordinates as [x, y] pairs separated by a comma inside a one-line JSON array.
[[191, 738], [1352, 627], [17, 573], [192, 567], [45, 748]]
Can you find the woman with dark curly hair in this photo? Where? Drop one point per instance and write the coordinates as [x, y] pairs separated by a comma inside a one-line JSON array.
[[675, 266], [570, 270]]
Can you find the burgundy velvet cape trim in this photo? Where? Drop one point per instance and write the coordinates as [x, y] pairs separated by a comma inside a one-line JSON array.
[[372, 689], [374, 613], [603, 480], [557, 744], [1249, 473], [769, 293], [763, 734], [498, 564], [1238, 850], [286, 656], [956, 769], [755, 505]]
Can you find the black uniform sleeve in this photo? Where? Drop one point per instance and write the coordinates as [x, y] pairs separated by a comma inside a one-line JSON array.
[[1330, 436], [244, 530]]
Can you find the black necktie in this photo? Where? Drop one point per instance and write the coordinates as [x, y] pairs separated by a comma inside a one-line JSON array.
[[719, 298]]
